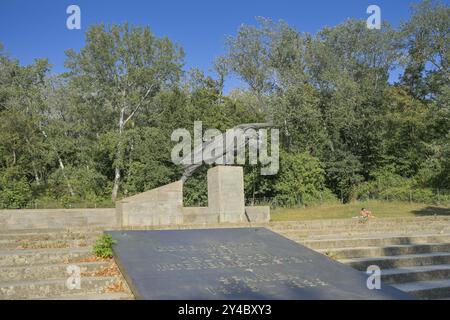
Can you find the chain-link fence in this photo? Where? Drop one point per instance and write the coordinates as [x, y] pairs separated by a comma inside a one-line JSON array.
[[427, 196]]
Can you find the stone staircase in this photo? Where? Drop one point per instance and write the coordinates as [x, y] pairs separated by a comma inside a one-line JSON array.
[[412, 253], [33, 265]]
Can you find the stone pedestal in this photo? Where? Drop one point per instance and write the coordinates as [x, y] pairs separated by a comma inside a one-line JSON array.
[[226, 193]]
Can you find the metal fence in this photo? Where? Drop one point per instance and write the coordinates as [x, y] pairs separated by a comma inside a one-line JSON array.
[[427, 196]]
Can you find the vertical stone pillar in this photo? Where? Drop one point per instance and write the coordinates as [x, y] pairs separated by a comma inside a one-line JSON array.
[[226, 193]]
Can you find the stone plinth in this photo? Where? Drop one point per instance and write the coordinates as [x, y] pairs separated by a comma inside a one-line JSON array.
[[226, 193]]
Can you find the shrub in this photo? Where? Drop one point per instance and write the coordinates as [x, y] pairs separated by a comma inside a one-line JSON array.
[[388, 185], [15, 192], [103, 246], [301, 181]]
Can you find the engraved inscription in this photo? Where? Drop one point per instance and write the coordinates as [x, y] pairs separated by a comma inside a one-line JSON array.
[[261, 282], [222, 256]]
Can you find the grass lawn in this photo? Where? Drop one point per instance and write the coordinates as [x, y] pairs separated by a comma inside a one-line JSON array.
[[380, 209]]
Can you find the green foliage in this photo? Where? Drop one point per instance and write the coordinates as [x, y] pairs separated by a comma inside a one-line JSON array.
[[343, 174], [102, 130], [15, 191], [301, 180], [102, 247], [387, 185], [196, 190]]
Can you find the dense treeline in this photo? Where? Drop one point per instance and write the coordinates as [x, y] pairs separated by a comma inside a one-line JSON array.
[[102, 130]]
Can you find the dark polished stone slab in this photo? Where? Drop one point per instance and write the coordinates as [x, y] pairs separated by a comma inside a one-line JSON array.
[[239, 263]]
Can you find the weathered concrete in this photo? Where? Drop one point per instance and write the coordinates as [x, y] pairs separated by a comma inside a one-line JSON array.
[[199, 215], [41, 289], [419, 246], [10, 258], [56, 218], [160, 206], [164, 205], [48, 271], [226, 193], [42, 273], [258, 214], [413, 253], [435, 289]]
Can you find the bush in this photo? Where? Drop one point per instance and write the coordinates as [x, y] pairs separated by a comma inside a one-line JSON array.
[[15, 192], [195, 189], [393, 187], [87, 183], [103, 246], [301, 181]]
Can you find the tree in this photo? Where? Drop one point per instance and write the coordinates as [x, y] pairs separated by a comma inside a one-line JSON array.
[[426, 42], [24, 151], [119, 71], [248, 56], [301, 180]]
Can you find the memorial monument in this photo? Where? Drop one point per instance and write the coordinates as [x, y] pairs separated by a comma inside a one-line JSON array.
[[164, 205]]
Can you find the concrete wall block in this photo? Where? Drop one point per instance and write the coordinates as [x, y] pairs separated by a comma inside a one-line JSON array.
[[226, 193], [56, 218], [260, 214], [160, 206]]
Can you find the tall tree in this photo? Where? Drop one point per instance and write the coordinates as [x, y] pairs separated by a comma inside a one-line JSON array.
[[426, 42], [119, 70]]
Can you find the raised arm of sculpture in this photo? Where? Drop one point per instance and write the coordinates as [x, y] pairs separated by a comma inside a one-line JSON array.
[[198, 150]]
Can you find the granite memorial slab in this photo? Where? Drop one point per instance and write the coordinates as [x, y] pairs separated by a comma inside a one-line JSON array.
[[234, 263]]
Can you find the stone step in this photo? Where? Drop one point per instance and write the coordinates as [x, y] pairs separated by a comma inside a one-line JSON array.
[[50, 272], [21, 244], [361, 228], [362, 231], [99, 296], [434, 289], [393, 250], [416, 273], [9, 258], [53, 288], [326, 223], [389, 262], [336, 241], [53, 230], [45, 236]]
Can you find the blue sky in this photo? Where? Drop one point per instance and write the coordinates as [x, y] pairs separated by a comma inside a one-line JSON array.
[[35, 29]]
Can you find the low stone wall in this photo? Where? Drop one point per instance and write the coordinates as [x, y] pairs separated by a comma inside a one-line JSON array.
[[199, 215], [257, 214], [162, 206], [57, 219]]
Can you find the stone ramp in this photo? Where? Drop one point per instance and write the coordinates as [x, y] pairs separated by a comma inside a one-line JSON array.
[[33, 265]]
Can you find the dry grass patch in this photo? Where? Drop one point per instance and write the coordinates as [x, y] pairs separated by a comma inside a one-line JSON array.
[[380, 209]]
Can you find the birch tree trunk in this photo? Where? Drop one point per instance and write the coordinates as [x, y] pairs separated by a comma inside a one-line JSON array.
[[69, 186], [117, 173], [61, 165]]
